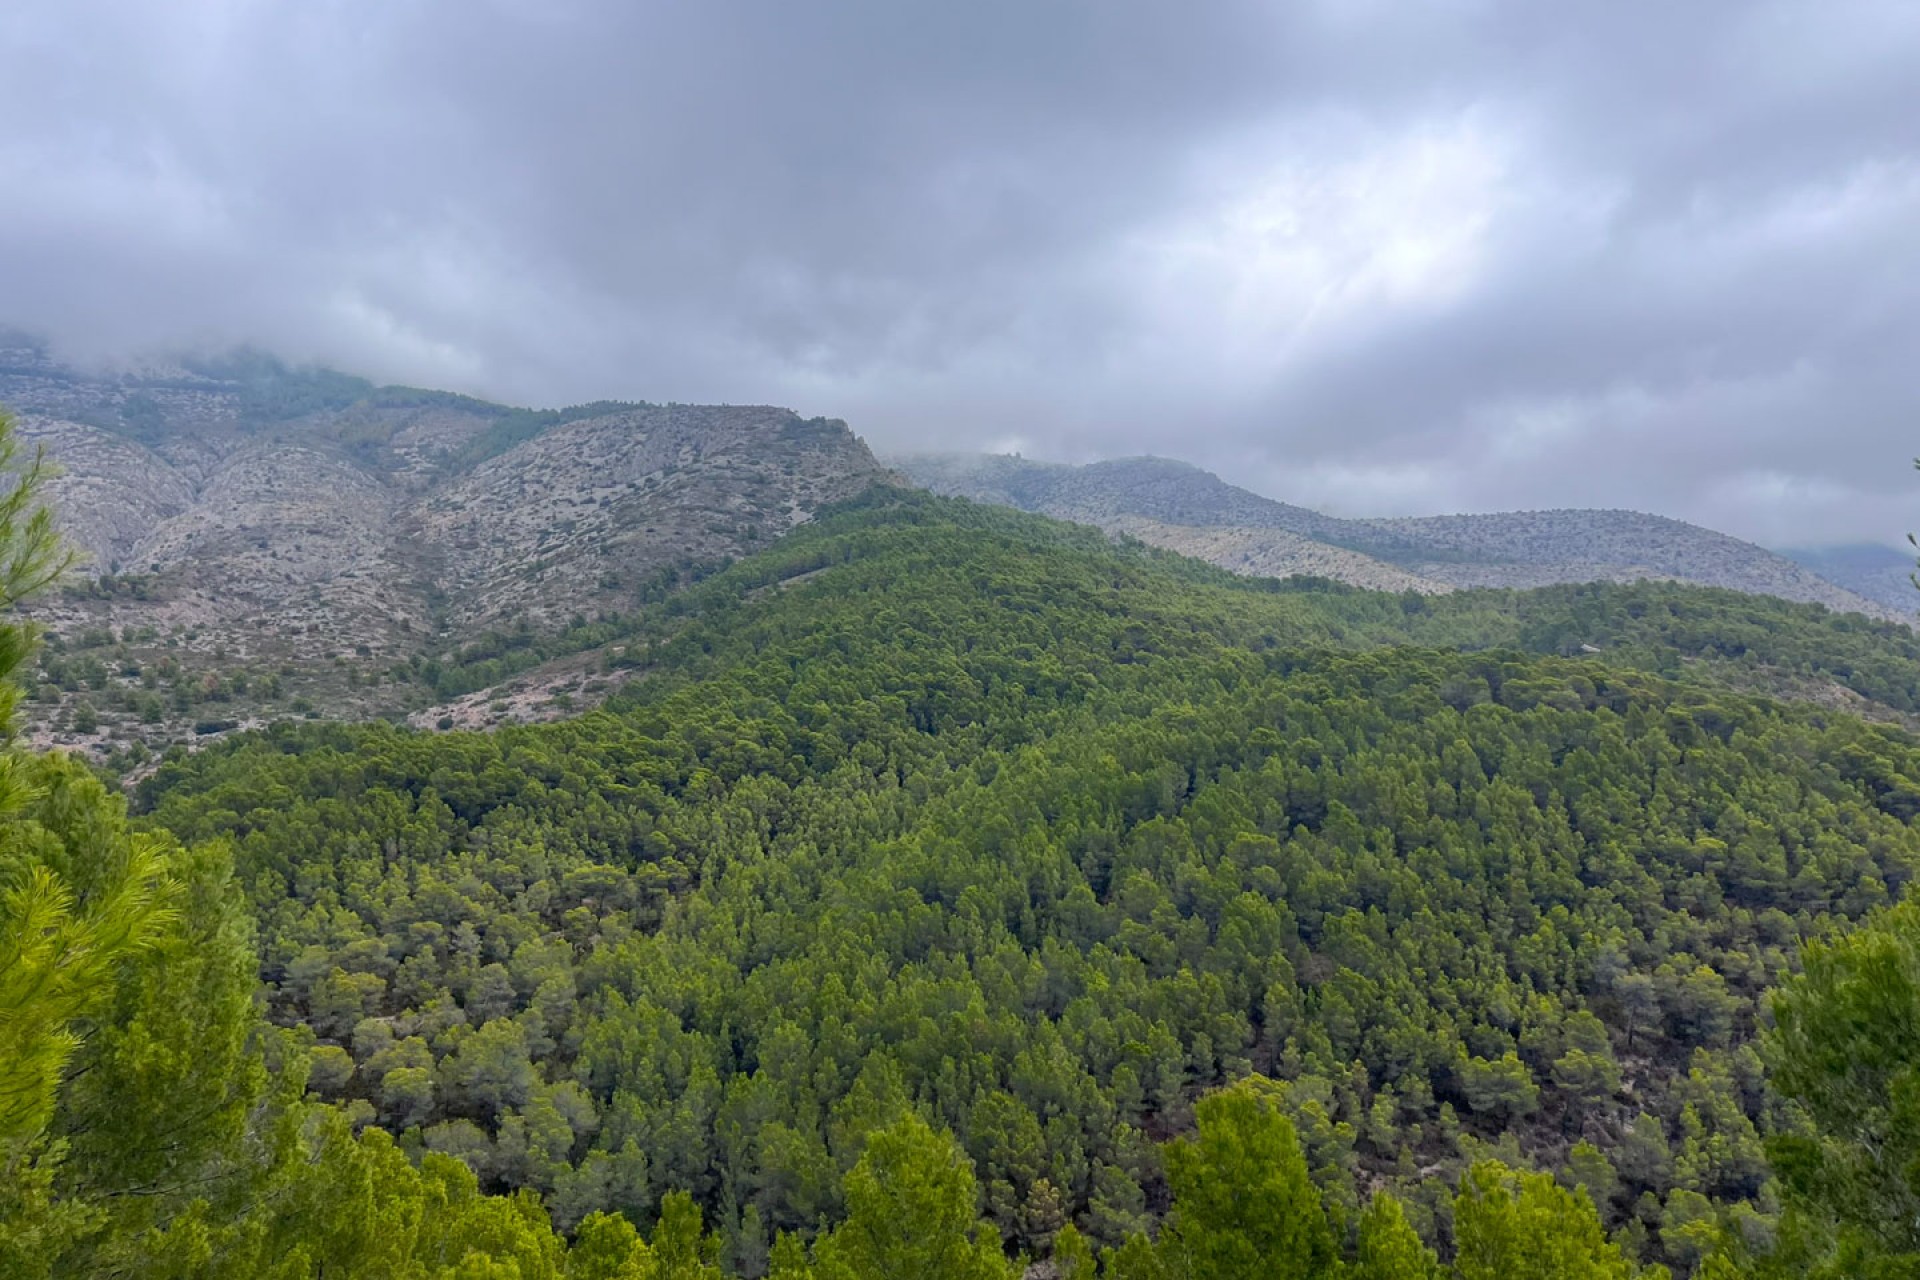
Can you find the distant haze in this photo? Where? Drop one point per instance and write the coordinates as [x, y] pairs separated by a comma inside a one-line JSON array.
[[1372, 258]]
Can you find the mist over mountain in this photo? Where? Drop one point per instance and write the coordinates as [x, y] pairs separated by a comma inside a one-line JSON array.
[[1639, 256], [1869, 569], [246, 526]]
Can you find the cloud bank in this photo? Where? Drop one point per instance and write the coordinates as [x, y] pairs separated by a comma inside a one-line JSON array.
[[1378, 258]]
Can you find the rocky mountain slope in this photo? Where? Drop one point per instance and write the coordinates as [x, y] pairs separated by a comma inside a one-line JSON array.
[[1273, 553], [260, 542], [244, 522], [1193, 511]]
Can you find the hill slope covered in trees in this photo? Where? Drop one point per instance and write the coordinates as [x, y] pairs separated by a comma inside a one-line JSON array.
[[940, 811], [950, 887]]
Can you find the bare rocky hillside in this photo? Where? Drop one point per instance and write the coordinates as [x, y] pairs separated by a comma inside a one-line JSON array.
[[313, 538], [1273, 553], [1186, 509]]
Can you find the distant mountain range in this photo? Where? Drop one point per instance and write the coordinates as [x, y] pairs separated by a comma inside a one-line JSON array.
[[262, 541], [1868, 569], [1186, 509]]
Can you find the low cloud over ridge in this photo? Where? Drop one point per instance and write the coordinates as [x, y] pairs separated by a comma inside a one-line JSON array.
[[1380, 258]]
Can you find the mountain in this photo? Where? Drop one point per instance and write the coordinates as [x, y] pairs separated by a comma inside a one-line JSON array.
[[1157, 488], [263, 542], [1869, 569], [949, 875], [307, 531], [939, 889], [1273, 553], [1185, 508]]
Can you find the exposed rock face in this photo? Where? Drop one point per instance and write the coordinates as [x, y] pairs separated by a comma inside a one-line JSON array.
[[1159, 489], [1526, 548], [1194, 511], [244, 513], [562, 523], [359, 520], [110, 491]]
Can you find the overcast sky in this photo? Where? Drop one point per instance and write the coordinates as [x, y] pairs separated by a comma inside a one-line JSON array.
[[1408, 257]]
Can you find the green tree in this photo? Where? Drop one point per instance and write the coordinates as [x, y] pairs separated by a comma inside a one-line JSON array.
[[1846, 1047], [1501, 1087], [64, 932], [1243, 1207], [607, 1247], [1072, 1255], [911, 1212], [681, 1249], [81, 901], [406, 1097], [1388, 1246], [1508, 1224], [63, 928]]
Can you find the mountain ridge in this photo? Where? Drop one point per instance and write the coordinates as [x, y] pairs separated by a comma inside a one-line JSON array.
[[266, 541], [1500, 549], [240, 520]]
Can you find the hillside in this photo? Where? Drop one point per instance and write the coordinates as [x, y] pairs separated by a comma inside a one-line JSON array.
[[945, 811], [1273, 553], [248, 527], [260, 542], [1192, 508]]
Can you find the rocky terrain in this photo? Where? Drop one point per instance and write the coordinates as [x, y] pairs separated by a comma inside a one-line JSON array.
[[1186, 509], [258, 541], [1273, 553]]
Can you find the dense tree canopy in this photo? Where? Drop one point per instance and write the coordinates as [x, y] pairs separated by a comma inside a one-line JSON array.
[[950, 888]]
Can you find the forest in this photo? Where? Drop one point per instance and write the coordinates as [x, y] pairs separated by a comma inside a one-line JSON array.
[[954, 893]]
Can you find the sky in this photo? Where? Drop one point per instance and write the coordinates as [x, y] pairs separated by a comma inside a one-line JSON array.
[[1376, 258]]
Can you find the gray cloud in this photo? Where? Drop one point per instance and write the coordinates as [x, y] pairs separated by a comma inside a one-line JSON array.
[[1460, 254]]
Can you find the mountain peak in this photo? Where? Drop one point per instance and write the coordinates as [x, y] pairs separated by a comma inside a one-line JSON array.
[[277, 516]]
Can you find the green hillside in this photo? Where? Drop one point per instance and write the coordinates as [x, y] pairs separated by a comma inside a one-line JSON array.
[[951, 886], [882, 543]]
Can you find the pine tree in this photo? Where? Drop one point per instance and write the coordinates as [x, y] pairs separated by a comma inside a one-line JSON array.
[[1243, 1207], [1846, 1047], [911, 1212], [1389, 1248], [1508, 1223]]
